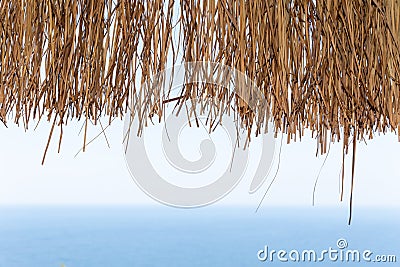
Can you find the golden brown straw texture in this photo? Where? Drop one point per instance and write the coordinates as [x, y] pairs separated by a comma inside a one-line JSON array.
[[329, 66]]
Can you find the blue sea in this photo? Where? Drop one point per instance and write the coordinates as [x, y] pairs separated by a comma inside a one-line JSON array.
[[75, 236]]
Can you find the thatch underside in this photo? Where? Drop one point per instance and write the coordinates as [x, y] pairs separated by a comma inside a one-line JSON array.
[[330, 66], [77, 59]]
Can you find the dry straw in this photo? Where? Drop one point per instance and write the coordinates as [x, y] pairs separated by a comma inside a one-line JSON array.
[[329, 66]]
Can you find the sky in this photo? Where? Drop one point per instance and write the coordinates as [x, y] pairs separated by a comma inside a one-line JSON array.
[[100, 175]]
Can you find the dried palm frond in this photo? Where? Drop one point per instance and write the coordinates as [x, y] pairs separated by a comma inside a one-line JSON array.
[[329, 66]]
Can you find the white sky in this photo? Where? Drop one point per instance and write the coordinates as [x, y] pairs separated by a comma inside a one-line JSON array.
[[100, 175]]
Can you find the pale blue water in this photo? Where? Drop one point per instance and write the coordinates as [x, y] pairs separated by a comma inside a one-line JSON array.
[[164, 236]]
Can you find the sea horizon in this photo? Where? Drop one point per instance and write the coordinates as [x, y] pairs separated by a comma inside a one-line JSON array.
[[143, 235]]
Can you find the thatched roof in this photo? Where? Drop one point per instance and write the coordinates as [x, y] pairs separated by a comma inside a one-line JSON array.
[[330, 66]]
